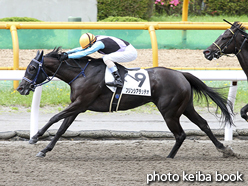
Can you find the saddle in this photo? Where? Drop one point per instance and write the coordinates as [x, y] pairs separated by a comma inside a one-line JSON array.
[[136, 82]]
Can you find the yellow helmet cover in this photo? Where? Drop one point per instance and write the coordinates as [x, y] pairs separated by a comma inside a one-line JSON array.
[[87, 40]]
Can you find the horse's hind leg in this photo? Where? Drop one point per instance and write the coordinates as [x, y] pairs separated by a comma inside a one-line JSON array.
[[172, 107], [175, 127], [193, 116], [171, 117], [203, 125]]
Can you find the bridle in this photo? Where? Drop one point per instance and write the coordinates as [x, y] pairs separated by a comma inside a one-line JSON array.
[[222, 48], [33, 83]]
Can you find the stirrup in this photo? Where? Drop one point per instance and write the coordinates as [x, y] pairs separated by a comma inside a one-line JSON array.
[[114, 84]]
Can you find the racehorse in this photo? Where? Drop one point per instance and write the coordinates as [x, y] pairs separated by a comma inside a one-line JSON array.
[[232, 41], [171, 92]]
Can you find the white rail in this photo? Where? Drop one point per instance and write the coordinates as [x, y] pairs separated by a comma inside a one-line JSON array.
[[206, 75]]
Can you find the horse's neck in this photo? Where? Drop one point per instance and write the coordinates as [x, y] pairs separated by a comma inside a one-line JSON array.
[[57, 70], [243, 59], [69, 72]]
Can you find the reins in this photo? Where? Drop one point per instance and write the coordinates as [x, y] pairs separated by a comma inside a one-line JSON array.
[[78, 66], [241, 46]]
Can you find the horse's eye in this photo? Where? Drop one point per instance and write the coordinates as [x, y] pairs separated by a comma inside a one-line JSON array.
[[225, 38], [31, 68]]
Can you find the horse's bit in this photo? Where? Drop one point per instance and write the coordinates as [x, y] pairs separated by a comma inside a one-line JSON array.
[[221, 52]]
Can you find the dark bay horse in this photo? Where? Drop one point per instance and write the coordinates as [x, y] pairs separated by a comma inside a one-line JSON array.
[[171, 92], [232, 41]]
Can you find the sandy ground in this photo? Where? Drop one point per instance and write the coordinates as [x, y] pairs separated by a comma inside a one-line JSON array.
[[167, 58], [126, 162]]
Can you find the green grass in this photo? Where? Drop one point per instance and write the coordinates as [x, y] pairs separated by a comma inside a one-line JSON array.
[[19, 19], [206, 18], [241, 96], [58, 94], [53, 94]]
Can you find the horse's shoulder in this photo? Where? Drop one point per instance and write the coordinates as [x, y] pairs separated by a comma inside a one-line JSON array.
[[88, 58], [92, 61]]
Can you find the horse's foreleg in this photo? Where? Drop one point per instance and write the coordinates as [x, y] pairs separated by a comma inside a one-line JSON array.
[[69, 111], [64, 126], [40, 133], [243, 112]]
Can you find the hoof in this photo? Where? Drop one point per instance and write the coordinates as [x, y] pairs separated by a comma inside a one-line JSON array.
[[33, 141], [244, 116], [228, 152], [41, 155]]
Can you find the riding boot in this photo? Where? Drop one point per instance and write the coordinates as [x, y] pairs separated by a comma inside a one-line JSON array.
[[117, 82]]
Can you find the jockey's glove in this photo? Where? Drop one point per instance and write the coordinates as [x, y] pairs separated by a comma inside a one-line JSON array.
[[64, 56]]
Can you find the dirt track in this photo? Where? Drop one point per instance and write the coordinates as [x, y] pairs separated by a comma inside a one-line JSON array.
[[167, 58], [121, 163]]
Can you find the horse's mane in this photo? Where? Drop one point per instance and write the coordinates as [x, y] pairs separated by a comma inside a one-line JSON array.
[[239, 25], [55, 53]]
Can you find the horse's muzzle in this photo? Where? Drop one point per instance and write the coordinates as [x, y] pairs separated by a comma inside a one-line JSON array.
[[208, 55], [23, 90]]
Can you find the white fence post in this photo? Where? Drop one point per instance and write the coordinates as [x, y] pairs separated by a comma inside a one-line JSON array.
[[34, 117], [231, 96]]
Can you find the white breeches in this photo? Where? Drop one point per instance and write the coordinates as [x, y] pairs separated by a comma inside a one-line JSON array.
[[129, 54]]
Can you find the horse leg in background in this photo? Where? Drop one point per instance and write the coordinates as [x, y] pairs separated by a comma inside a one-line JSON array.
[[243, 112], [193, 116], [64, 126]]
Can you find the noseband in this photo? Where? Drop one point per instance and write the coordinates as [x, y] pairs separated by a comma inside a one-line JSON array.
[[33, 83], [222, 48]]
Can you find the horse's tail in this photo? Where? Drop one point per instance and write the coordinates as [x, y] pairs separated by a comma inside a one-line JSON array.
[[201, 89]]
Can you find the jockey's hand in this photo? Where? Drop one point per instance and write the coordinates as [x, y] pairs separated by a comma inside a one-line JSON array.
[[64, 56]]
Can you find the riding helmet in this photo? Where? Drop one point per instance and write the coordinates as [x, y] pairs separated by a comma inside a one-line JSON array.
[[87, 40]]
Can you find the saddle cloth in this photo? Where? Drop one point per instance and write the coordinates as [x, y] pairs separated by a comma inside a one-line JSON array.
[[136, 82]]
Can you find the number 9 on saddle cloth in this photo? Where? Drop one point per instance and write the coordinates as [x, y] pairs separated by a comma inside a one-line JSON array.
[[136, 82]]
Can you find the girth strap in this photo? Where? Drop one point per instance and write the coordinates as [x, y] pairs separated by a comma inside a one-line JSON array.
[[115, 101]]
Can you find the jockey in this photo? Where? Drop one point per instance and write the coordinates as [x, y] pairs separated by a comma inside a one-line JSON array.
[[114, 50]]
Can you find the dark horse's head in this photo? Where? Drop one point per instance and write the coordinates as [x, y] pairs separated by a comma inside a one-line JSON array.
[[227, 43], [35, 74]]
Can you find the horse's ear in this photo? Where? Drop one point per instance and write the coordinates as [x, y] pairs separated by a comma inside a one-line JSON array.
[[40, 56], [37, 54]]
